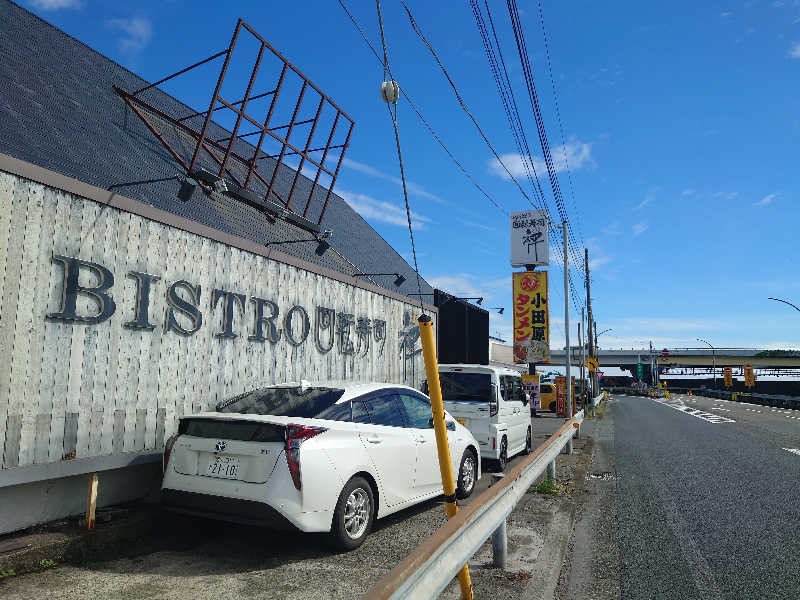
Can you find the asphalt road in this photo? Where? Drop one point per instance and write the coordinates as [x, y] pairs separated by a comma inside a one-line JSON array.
[[706, 509]]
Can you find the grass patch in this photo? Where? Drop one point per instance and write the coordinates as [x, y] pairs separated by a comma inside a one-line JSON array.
[[550, 486]]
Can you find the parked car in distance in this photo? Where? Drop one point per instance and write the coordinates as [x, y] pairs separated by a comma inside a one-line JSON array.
[[491, 402], [324, 457], [547, 392]]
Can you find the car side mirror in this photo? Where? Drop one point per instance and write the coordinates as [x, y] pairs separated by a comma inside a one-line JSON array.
[[451, 425]]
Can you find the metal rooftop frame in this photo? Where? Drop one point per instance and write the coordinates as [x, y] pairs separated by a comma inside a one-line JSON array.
[[252, 186]]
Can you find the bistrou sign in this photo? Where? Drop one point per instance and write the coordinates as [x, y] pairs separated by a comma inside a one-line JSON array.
[[184, 311], [119, 318]]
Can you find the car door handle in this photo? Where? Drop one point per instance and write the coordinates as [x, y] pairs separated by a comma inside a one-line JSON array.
[[374, 439]]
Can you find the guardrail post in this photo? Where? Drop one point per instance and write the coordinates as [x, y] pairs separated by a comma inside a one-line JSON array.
[[551, 470], [499, 537], [568, 446]]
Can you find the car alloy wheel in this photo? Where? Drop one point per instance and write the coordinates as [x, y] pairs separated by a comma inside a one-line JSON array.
[[467, 475], [501, 461], [356, 513]]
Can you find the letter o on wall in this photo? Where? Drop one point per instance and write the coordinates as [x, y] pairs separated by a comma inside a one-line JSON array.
[[287, 325]]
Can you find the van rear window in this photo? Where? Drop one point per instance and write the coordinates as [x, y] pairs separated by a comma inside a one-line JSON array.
[[466, 387]]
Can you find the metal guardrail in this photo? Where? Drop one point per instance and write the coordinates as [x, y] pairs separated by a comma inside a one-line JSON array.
[[427, 571]]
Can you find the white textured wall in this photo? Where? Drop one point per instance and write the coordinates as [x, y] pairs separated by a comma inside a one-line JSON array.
[[102, 389]]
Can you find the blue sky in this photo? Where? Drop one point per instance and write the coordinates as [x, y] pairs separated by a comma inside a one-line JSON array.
[[681, 124]]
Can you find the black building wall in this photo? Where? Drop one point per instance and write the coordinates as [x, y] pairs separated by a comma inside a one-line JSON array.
[[463, 331]]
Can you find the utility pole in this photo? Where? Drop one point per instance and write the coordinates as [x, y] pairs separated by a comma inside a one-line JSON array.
[[570, 407], [596, 383], [589, 312], [583, 360]]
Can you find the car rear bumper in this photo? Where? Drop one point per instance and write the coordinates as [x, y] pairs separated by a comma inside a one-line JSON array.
[[249, 512]]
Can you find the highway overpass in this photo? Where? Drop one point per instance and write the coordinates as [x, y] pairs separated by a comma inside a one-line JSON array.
[[687, 357]]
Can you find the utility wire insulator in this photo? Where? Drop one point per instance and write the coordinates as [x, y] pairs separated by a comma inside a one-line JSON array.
[[390, 91]]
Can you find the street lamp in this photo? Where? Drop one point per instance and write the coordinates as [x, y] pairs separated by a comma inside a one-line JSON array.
[[785, 302], [597, 335], [713, 358]]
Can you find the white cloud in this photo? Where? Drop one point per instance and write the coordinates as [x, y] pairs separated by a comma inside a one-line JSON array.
[[55, 4], [613, 229], [726, 195], [726, 14], [413, 188], [465, 284], [478, 225], [640, 227], [137, 30], [766, 200], [578, 154], [794, 51], [384, 212], [648, 198], [687, 192]]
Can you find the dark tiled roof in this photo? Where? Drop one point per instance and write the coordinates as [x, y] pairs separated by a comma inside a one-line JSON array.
[[58, 110]]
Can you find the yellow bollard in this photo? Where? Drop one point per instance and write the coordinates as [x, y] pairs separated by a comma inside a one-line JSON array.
[[437, 408]]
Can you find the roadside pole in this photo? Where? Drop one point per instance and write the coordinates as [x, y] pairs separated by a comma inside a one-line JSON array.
[[570, 406], [437, 409], [583, 362], [589, 313]]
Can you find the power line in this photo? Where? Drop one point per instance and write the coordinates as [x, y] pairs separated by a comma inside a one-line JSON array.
[[522, 50], [508, 99], [393, 117], [558, 117], [464, 107], [419, 113]]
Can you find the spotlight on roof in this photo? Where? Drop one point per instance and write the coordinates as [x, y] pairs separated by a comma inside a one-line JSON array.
[[215, 181], [322, 247], [399, 280], [187, 189]]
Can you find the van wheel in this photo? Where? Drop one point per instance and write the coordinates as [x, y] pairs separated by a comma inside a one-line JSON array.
[[354, 514], [467, 474], [503, 459], [528, 443]]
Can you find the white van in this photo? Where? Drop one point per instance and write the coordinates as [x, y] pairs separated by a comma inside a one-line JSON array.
[[492, 404]]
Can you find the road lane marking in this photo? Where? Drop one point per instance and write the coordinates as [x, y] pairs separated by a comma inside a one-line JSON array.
[[705, 416], [793, 450]]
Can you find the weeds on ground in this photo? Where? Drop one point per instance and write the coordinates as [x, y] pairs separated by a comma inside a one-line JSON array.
[[46, 563], [550, 486], [9, 573]]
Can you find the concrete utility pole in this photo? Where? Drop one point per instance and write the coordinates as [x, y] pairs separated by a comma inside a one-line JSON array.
[[589, 313], [569, 407], [583, 359]]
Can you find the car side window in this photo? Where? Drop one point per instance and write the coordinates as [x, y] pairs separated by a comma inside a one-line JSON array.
[[360, 413], [386, 410], [337, 412], [418, 412], [518, 393]]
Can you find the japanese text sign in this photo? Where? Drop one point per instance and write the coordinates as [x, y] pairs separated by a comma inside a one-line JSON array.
[[531, 316], [530, 242]]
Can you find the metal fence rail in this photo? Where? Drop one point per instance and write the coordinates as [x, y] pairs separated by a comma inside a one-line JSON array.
[[431, 567]]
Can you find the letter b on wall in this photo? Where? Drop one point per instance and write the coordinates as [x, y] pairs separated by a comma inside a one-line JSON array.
[[71, 289]]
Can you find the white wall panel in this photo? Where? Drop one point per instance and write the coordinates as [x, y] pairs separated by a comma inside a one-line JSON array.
[[70, 389]]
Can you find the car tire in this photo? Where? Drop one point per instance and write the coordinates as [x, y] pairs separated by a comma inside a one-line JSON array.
[[503, 459], [354, 514], [528, 443], [467, 474]]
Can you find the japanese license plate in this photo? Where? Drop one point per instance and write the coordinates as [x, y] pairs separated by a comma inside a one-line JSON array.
[[224, 467], [462, 421]]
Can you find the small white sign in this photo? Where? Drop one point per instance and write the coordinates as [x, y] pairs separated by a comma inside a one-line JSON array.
[[535, 351], [530, 242]]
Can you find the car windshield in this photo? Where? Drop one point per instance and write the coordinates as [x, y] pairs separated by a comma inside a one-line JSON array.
[[461, 386], [300, 401]]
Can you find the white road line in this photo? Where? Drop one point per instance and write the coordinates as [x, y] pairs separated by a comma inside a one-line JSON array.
[[793, 450], [705, 416]]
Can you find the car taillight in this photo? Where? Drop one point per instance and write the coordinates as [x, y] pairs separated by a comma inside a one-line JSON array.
[[494, 443], [492, 409], [168, 449], [295, 436]]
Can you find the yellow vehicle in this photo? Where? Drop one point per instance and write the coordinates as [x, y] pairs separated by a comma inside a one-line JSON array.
[[547, 391]]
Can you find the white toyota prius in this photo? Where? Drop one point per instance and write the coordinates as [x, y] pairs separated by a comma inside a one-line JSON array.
[[328, 457]]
